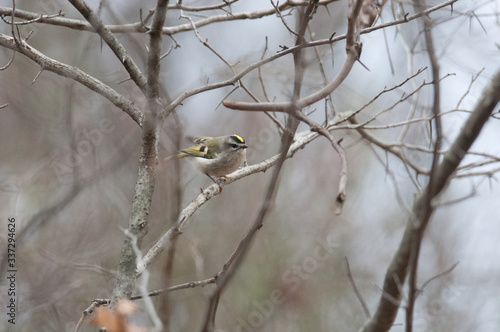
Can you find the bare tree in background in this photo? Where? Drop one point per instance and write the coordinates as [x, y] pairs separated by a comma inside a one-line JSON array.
[[307, 104]]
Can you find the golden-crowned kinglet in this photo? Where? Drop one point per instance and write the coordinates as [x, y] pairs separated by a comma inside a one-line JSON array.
[[216, 156]]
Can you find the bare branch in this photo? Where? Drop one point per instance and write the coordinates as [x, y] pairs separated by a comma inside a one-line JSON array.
[[142, 285], [356, 291], [256, 14], [439, 275], [473, 79], [353, 50], [436, 108], [191, 284], [395, 150], [76, 74], [341, 193], [280, 15], [205, 42], [8, 63], [40, 18], [446, 164], [145, 184], [113, 43], [154, 55], [12, 25], [138, 27], [422, 211], [236, 259], [323, 74], [408, 18], [274, 106], [74, 24], [95, 304], [179, 5]]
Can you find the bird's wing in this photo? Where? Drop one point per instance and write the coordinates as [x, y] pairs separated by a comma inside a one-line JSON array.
[[198, 150]]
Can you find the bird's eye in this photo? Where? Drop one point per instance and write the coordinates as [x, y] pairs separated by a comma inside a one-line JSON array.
[[234, 146]]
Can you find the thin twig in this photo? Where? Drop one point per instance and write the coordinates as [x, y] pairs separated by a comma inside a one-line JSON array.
[[17, 37], [8, 63], [191, 284], [282, 106], [34, 20], [225, 3], [323, 75], [439, 275], [342, 187], [356, 291], [142, 285], [133, 70], [167, 53], [473, 79], [95, 304], [259, 71], [280, 15], [436, 108], [37, 75], [204, 42]]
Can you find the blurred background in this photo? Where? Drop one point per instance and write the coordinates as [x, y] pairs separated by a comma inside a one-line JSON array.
[[69, 164]]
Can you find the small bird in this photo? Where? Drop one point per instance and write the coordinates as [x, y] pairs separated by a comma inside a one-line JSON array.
[[216, 156]]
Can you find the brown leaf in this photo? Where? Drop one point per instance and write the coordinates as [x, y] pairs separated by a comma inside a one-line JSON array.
[[112, 321], [117, 321]]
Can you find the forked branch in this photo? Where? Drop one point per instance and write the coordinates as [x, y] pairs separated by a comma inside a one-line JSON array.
[[422, 211], [76, 74]]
